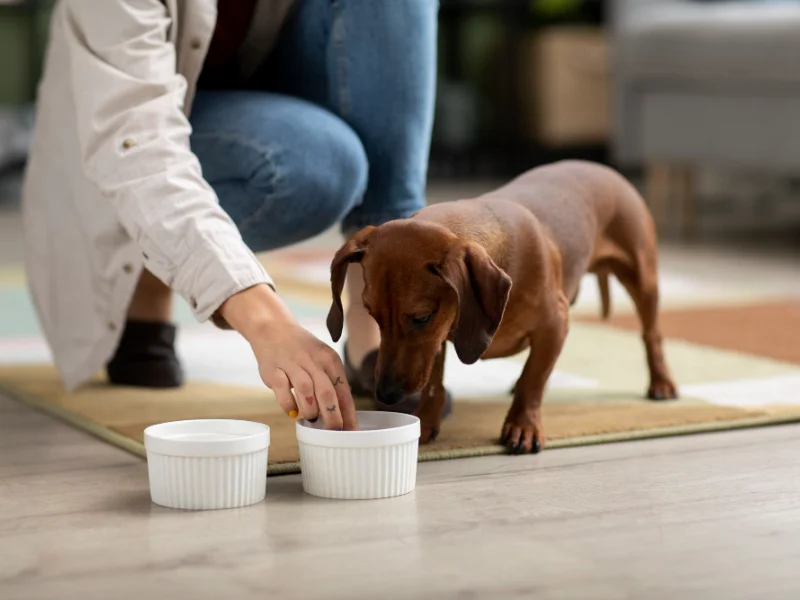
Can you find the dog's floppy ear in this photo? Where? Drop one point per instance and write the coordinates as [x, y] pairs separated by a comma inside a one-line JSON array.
[[351, 252], [482, 289]]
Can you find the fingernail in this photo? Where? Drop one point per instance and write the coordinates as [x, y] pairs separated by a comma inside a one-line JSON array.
[[293, 413], [310, 400]]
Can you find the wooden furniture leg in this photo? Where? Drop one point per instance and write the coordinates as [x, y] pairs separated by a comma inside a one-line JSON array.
[[687, 198], [658, 189]]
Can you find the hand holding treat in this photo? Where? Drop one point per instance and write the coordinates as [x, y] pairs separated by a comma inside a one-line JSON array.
[[306, 375]]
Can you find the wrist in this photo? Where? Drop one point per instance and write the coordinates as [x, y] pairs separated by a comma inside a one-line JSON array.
[[255, 311]]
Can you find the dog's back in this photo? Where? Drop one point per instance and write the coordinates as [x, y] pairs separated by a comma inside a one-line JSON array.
[[581, 205]]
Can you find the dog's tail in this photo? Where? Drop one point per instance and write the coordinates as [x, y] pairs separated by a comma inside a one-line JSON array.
[[605, 296]]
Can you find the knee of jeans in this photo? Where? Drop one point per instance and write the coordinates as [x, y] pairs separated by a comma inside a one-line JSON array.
[[308, 186], [335, 177]]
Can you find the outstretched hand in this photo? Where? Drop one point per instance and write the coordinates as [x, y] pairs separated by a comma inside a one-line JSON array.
[[306, 375]]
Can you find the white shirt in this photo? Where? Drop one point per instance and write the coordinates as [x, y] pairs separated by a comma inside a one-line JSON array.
[[112, 185]]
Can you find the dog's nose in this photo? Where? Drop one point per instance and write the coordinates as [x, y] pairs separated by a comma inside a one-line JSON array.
[[389, 392]]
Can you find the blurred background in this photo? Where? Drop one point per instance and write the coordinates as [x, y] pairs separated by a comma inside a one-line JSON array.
[[697, 101]]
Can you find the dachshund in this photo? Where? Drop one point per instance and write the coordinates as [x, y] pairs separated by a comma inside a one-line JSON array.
[[496, 275]]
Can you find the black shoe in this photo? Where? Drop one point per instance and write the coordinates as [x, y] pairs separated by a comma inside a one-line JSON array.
[[146, 357], [362, 384]]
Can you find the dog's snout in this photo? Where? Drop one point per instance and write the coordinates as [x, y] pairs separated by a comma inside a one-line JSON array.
[[389, 391]]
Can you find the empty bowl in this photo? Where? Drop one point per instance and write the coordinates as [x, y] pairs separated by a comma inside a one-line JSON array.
[[207, 464], [378, 461]]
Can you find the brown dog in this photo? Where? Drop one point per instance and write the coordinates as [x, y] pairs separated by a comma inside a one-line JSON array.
[[447, 273]]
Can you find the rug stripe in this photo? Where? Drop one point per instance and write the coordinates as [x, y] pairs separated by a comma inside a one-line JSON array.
[[766, 329]]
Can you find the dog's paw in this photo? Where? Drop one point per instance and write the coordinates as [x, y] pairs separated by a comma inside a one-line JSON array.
[[428, 434], [662, 390], [521, 436]]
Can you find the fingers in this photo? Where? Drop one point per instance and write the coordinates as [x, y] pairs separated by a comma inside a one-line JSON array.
[[331, 392], [327, 401], [303, 386], [308, 380], [347, 407], [279, 384]]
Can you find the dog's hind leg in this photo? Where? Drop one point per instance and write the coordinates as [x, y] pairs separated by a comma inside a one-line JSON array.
[[641, 282]]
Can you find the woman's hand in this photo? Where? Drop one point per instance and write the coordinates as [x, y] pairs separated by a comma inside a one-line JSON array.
[[291, 359]]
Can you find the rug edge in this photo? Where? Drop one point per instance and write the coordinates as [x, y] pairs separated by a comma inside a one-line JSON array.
[[80, 422], [103, 433], [131, 446], [621, 437]]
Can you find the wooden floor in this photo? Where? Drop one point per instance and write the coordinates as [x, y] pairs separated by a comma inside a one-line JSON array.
[[714, 516]]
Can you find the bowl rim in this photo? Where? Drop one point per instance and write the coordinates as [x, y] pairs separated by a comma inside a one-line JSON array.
[[250, 436], [406, 430]]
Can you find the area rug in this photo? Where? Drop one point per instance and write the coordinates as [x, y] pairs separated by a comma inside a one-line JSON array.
[[729, 376], [608, 409]]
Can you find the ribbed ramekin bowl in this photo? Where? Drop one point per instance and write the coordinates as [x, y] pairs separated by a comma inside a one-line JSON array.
[[378, 461], [207, 464]]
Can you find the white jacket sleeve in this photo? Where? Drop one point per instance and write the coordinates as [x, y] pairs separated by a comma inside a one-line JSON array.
[[134, 143]]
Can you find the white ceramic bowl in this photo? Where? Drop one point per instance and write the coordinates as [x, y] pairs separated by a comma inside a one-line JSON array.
[[378, 461], [207, 464]]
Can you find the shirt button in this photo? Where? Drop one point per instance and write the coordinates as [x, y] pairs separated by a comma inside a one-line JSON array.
[[144, 254], [112, 326], [128, 268], [196, 44], [194, 303], [128, 144]]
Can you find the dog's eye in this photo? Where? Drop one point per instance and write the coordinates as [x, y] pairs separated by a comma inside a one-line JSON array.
[[422, 320]]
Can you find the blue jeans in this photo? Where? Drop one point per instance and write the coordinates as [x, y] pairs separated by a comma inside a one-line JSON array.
[[334, 129]]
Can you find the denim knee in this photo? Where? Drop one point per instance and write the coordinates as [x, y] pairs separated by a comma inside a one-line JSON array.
[[310, 186], [338, 179]]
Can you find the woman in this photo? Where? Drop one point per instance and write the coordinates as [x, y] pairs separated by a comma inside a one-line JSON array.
[[175, 138]]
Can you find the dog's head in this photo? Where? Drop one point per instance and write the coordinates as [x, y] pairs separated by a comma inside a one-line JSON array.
[[421, 283]]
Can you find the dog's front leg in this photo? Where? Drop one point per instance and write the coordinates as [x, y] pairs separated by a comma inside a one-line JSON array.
[[432, 400], [522, 430]]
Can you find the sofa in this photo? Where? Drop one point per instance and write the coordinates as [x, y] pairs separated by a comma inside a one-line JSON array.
[[704, 84]]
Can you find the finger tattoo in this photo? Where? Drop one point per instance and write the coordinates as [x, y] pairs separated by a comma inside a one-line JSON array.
[[338, 381], [330, 409]]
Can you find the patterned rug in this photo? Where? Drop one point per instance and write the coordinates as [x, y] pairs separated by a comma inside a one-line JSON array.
[[735, 357]]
